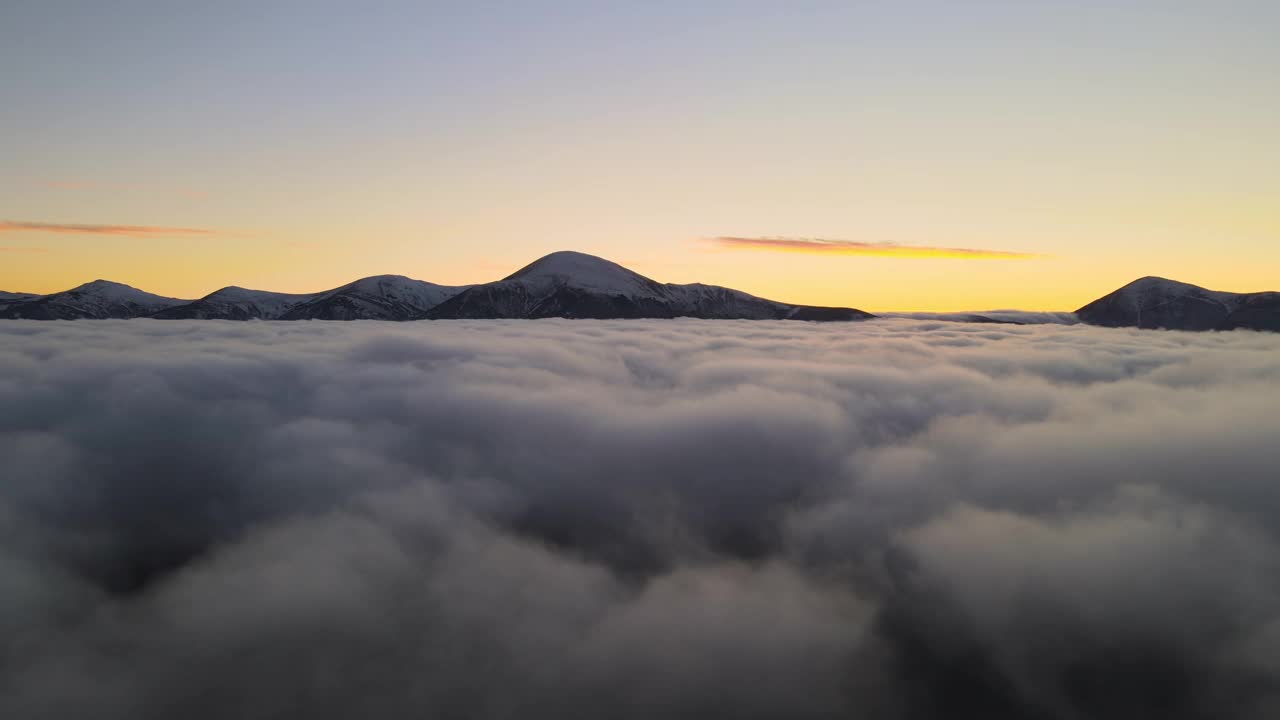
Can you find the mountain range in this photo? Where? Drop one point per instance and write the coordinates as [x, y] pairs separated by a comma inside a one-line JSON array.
[[562, 284], [575, 285]]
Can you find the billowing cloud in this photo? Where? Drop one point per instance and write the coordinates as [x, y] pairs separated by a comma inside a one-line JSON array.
[[96, 229], [879, 249], [896, 519]]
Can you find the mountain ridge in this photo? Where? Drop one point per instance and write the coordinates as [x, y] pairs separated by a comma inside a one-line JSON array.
[[235, 303], [565, 284], [568, 284]]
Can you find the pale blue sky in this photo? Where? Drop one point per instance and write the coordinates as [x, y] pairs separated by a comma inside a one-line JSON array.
[[451, 140]]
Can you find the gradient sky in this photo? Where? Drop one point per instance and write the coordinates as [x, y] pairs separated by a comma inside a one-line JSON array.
[[294, 146]]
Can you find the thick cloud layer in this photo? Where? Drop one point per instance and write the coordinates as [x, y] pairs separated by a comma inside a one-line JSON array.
[[893, 519]]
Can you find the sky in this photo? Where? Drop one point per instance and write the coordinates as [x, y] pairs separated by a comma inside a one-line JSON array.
[[914, 155]]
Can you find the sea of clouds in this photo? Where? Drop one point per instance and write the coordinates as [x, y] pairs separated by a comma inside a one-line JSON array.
[[893, 519]]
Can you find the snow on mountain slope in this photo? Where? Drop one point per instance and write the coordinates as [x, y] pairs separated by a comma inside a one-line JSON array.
[[713, 301], [94, 300], [1153, 302], [576, 285], [587, 272], [382, 297], [236, 303], [1256, 311]]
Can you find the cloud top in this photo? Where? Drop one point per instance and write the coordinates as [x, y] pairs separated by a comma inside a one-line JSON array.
[[898, 519]]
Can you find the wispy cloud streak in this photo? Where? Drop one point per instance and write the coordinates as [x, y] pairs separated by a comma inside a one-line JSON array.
[[824, 246], [67, 184], [77, 185], [97, 229]]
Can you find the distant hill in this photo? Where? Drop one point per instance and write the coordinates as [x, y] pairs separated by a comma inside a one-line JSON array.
[[383, 297], [97, 300], [992, 317], [235, 303], [1154, 302]]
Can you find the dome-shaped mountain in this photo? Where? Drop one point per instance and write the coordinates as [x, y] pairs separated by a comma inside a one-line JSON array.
[[1154, 302], [100, 299], [235, 303], [584, 271], [382, 297], [576, 285]]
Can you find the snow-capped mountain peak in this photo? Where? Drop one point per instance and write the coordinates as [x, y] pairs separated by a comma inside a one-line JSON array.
[[235, 303], [380, 297], [98, 299], [1155, 285], [589, 272], [109, 290], [235, 293]]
